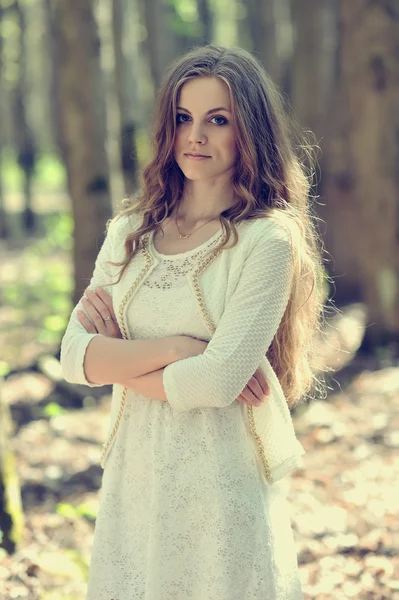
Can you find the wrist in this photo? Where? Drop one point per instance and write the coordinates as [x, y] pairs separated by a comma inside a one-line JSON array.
[[175, 349]]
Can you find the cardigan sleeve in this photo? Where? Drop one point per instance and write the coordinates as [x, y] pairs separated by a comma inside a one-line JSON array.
[[244, 332], [76, 339]]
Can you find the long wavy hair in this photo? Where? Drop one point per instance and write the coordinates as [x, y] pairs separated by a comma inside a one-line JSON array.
[[273, 175]]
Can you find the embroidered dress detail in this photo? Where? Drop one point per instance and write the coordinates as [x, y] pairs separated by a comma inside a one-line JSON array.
[[185, 496], [169, 476], [123, 330]]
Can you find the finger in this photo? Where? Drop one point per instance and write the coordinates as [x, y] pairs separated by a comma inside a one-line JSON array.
[[94, 315], [87, 324], [262, 382], [105, 326], [250, 397], [255, 388], [243, 397], [98, 304], [107, 300]]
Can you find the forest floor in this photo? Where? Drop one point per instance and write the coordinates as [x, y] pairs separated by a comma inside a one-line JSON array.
[[344, 502]]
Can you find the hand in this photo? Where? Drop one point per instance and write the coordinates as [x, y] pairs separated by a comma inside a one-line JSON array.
[[101, 317], [257, 388]]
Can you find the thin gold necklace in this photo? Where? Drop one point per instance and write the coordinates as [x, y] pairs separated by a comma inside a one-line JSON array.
[[184, 237]]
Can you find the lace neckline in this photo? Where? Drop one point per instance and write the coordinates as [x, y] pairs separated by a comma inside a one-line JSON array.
[[186, 252]]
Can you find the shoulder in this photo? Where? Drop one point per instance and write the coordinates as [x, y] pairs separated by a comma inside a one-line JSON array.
[[122, 224], [270, 230]]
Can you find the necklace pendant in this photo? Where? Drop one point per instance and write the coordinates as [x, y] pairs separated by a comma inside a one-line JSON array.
[[184, 237]]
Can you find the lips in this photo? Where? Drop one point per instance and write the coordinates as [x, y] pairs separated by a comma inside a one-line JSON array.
[[196, 155]]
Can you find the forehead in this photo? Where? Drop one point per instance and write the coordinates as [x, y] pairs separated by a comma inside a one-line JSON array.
[[203, 93]]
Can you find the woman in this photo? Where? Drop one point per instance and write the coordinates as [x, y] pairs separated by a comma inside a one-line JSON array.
[[192, 501]]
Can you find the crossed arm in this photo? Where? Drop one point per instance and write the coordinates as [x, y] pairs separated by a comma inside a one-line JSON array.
[[100, 318], [216, 376], [150, 384]]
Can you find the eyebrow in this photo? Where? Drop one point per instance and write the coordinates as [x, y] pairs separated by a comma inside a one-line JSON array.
[[212, 110]]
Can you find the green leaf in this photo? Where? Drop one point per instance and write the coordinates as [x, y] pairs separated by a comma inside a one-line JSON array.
[[4, 368], [53, 410], [66, 510]]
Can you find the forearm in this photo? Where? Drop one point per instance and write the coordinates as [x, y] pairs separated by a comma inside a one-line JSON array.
[[149, 385], [110, 360]]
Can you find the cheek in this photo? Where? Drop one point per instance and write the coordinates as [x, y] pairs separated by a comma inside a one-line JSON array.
[[230, 143], [177, 138]]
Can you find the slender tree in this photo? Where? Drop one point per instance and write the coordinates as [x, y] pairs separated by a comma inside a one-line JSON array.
[[11, 512], [82, 114], [127, 96], [4, 232], [263, 23], [23, 135], [361, 176]]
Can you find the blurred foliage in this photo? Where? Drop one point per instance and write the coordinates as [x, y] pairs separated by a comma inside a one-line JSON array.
[[143, 146], [186, 21], [38, 288], [4, 368], [85, 509], [49, 174], [52, 409]]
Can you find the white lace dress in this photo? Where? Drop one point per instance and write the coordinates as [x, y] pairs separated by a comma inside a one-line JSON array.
[[184, 513]]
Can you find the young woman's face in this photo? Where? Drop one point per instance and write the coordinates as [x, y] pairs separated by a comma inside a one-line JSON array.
[[201, 129]]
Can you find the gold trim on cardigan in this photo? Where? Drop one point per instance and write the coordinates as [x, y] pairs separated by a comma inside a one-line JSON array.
[[123, 329], [200, 299], [212, 329]]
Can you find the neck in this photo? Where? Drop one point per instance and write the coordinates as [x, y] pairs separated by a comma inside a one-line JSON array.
[[200, 202]]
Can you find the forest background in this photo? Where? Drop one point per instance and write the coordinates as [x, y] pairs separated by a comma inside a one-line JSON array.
[[77, 86]]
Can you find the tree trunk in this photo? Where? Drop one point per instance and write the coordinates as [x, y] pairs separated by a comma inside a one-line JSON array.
[[127, 99], [23, 135], [162, 43], [263, 21], [312, 65], [83, 130], [11, 513], [4, 230], [206, 20], [362, 200], [53, 73]]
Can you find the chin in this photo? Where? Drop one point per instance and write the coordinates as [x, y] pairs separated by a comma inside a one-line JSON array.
[[194, 176], [195, 172]]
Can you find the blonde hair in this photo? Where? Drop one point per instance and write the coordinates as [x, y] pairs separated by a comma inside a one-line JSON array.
[[271, 181]]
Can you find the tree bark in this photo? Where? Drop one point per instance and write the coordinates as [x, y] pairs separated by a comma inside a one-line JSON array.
[[83, 130], [206, 20], [312, 65], [162, 43], [127, 99], [11, 513], [263, 22], [361, 193], [23, 136]]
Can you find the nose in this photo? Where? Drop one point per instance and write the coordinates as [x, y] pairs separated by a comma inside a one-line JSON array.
[[196, 135]]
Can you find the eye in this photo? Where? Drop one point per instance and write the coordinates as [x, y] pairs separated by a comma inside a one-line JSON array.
[[180, 120], [224, 120]]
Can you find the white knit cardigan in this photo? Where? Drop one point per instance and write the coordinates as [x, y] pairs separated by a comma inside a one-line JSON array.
[[242, 294]]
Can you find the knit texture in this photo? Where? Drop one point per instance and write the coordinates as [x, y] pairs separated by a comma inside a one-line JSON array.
[[238, 347], [182, 500], [245, 291], [76, 339]]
